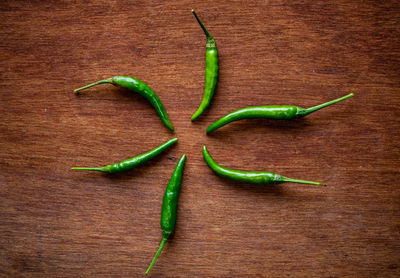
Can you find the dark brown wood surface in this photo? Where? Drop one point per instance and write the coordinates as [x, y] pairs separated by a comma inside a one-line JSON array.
[[55, 222]]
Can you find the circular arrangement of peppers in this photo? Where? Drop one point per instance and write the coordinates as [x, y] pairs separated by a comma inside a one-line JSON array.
[[170, 201]]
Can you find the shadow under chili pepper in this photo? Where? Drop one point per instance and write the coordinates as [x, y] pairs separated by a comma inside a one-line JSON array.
[[97, 92], [270, 189], [277, 191], [288, 191], [172, 158], [203, 119], [120, 176], [252, 125], [145, 169], [122, 95]]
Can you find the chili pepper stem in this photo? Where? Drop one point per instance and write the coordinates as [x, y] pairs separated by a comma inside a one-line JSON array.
[[88, 169], [163, 241], [201, 25], [304, 112], [109, 80], [302, 181]]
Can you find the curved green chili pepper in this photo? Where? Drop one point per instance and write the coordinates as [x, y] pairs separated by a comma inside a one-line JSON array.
[[169, 207], [275, 112], [212, 69], [250, 177], [131, 163], [139, 87]]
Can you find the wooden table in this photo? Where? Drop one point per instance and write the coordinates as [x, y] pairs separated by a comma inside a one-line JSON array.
[[59, 223]]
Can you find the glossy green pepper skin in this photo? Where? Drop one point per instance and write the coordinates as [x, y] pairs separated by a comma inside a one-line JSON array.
[[135, 85], [169, 207], [211, 73], [249, 177], [131, 163], [275, 112], [170, 201]]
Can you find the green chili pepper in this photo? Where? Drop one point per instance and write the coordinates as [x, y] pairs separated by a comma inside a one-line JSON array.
[[169, 207], [131, 163], [212, 68], [275, 112], [139, 87], [250, 177]]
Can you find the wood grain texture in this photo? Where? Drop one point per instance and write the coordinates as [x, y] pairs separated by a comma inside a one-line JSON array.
[[60, 223]]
